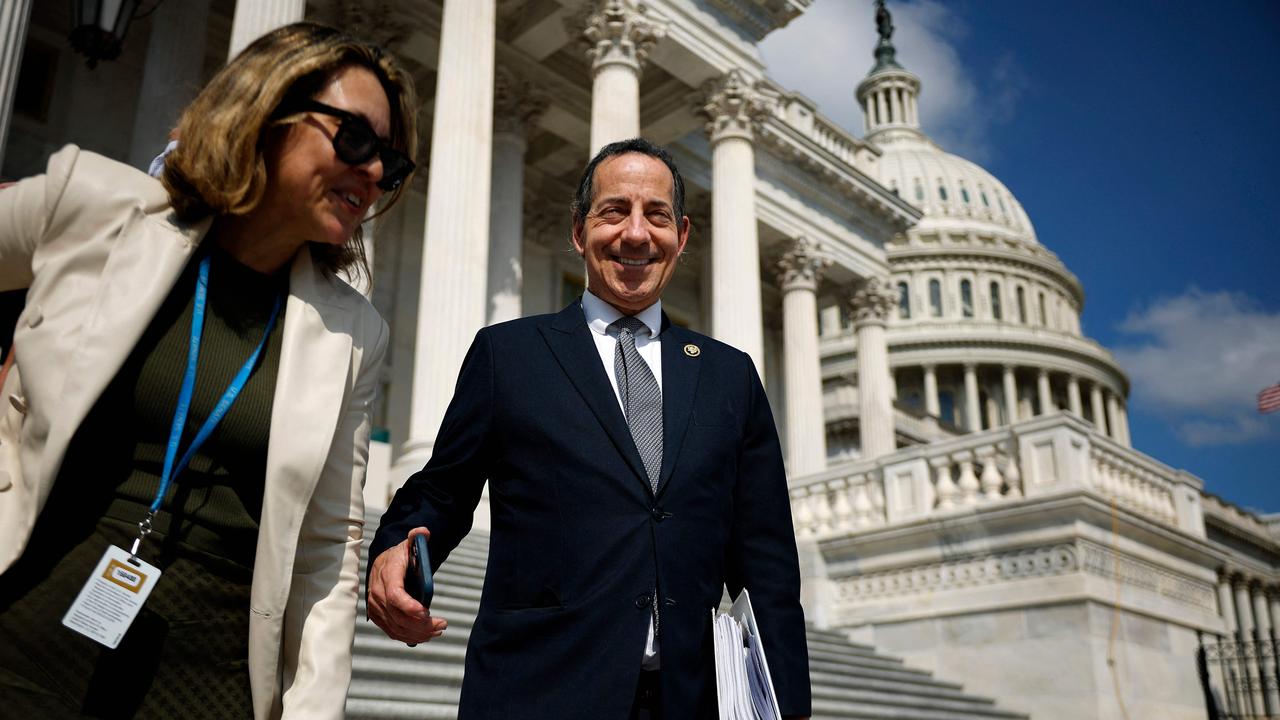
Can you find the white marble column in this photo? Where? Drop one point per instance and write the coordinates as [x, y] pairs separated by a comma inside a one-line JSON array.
[[1044, 393], [1073, 396], [1010, 382], [255, 18], [171, 76], [516, 107], [1122, 418], [14, 18], [871, 305], [1226, 603], [972, 412], [620, 35], [734, 107], [1099, 412], [931, 404], [1113, 417], [1266, 662], [800, 268], [1273, 604], [452, 294]]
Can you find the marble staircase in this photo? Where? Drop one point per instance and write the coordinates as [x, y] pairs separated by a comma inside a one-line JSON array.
[[391, 681]]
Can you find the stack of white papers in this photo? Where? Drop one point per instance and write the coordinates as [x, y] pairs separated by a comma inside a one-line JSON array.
[[744, 687]]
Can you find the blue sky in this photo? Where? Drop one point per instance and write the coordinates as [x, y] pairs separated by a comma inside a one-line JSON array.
[[1141, 137]]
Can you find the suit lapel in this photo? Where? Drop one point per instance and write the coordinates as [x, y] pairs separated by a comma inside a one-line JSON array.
[[570, 341], [311, 387], [136, 278], [679, 383]]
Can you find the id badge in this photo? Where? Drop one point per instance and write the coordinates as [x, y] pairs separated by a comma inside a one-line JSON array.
[[108, 603]]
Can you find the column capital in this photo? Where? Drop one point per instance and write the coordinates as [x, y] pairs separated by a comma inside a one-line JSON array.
[[733, 106], [872, 301], [800, 264], [620, 32], [517, 103]]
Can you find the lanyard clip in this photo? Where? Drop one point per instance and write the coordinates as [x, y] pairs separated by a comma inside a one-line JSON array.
[[144, 529]]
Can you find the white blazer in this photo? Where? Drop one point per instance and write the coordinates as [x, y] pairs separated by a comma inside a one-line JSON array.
[[98, 247]]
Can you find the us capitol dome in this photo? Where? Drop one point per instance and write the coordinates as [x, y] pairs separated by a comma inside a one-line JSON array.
[[987, 327]]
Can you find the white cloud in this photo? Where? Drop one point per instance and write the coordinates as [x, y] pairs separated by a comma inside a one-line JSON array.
[[827, 51], [1200, 359]]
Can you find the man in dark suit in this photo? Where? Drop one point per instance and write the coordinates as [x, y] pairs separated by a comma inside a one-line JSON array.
[[634, 472]]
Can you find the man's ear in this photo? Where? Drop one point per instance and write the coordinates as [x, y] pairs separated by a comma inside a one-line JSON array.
[[685, 227], [576, 238]]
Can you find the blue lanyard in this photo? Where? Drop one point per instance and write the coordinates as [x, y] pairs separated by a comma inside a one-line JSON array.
[[172, 469]]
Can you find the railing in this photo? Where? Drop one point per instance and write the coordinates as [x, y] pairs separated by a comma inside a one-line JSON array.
[[967, 471], [1240, 680], [1113, 474], [1035, 457]]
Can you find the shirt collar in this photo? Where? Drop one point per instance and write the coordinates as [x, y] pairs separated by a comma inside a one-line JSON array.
[[601, 314]]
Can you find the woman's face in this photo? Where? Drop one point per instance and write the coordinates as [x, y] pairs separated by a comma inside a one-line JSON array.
[[311, 193]]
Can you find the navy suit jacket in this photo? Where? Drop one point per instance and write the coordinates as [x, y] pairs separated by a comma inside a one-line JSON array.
[[579, 540]]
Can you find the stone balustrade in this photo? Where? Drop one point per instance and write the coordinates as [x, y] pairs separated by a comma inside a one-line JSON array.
[[1033, 458]]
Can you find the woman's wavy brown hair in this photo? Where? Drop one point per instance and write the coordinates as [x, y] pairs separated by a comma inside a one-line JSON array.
[[219, 166]]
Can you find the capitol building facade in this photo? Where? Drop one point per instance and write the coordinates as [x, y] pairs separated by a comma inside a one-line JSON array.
[[964, 489]]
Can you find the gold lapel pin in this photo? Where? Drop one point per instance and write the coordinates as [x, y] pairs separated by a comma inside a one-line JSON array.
[[692, 350]]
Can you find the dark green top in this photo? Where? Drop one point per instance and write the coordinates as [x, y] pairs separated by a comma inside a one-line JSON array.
[[188, 647]]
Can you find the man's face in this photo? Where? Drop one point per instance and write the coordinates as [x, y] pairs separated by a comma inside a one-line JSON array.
[[631, 237]]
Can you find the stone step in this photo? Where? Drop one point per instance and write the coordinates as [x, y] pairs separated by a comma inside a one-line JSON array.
[[391, 681]]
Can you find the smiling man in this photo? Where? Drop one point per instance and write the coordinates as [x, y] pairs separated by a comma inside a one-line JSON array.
[[634, 473]]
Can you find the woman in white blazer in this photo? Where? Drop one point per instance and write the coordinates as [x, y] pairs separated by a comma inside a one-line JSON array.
[[281, 157]]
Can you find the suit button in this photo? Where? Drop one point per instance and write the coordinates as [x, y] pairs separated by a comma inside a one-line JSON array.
[[658, 515], [5, 481], [19, 403], [643, 600]]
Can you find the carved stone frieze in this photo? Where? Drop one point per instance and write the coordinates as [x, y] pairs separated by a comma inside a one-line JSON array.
[[1081, 556], [517, 103], [620, 32], [734, 106], [801, 263], [873, 300]]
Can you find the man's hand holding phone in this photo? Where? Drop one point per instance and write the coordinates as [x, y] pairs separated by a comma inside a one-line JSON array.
[[400, 591]]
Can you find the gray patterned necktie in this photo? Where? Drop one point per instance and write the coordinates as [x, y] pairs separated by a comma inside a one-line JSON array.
[[641, 396]]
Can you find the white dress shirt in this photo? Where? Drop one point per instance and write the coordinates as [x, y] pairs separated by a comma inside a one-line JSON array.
[[600, 315]]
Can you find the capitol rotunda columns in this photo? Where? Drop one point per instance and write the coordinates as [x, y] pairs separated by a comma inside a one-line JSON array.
[[1010, 383], [931, 404], [734, 107], [453, 291], [620, 35], [1226, 604], [1113, 417], [1044, 393], [871, 304], [255, 18], [1099, 413], [516, 108], [14, 17], [972, 411], [1074, 405], [800, 268]]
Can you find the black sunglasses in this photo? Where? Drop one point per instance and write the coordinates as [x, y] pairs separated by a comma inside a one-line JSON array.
[[356, 143]]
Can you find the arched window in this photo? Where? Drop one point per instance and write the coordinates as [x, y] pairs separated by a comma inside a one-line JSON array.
[[995, 301], [904, 301], [1044, 316], [966, 298], [1000, 200], [919, 191], [942, 191], [935, 298], [985, 202], [964, 194], [1022, 306]]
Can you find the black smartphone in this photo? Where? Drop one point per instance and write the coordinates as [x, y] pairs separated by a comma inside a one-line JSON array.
[[417, 581]]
